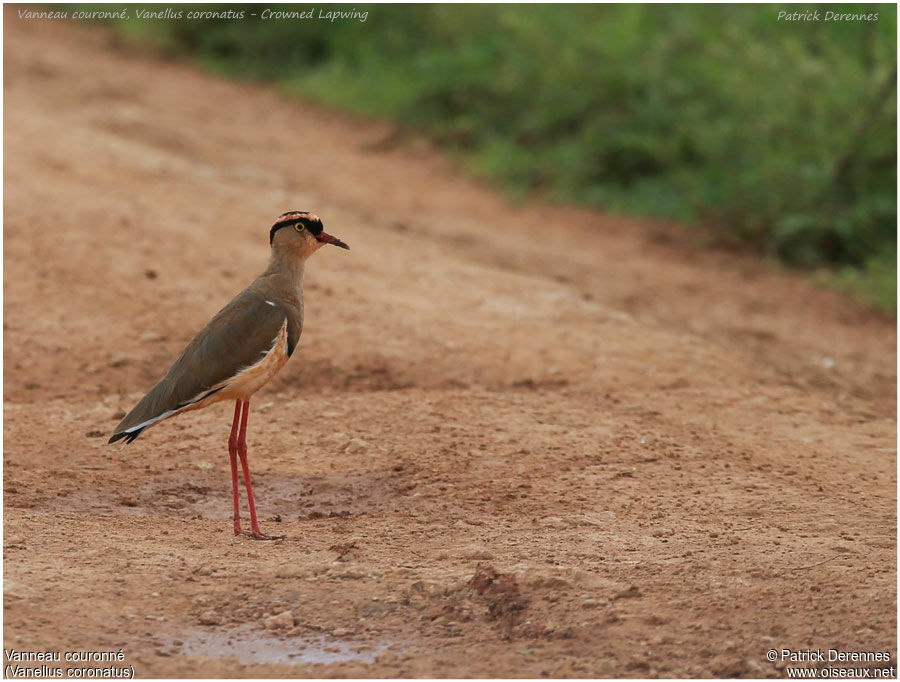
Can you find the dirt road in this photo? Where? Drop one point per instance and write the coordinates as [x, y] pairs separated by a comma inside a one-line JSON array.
[[515, 440]]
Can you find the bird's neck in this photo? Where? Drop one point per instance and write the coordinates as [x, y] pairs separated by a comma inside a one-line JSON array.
[[288, 269]]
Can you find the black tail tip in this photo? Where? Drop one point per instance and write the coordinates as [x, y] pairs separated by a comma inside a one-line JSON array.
[[129, 437]]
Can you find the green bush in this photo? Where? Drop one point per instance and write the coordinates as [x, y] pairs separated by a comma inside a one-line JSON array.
[[776, 134]]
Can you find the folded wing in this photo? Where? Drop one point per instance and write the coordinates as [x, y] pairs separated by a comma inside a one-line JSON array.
[[239, 336]]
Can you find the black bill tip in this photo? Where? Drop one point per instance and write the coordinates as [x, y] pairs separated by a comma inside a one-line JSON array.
[[328, 239]]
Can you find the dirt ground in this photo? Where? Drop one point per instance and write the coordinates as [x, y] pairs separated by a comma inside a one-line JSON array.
[[515, 441]]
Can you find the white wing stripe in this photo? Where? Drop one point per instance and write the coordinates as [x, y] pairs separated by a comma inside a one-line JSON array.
[[150, 421]]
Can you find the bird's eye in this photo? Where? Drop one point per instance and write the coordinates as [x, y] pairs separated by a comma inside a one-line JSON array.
[[299, 227]]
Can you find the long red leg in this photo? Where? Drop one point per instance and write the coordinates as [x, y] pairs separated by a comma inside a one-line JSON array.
[[242, 452], [233, 451]]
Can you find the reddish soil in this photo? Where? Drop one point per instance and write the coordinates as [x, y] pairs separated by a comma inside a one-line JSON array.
[[515, 440]]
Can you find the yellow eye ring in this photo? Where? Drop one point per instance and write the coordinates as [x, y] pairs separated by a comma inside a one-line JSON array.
[[299, 227]]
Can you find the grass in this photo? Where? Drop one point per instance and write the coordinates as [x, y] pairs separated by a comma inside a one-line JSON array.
[[772, 135]]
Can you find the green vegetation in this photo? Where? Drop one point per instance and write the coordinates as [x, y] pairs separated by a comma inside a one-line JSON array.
[[776, 134]]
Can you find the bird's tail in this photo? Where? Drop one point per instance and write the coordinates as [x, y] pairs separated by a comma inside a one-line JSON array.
[[160, 403], [152, 408], [127, 436]]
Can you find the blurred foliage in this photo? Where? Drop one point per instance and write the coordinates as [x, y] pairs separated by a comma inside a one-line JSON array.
[[776, 134]]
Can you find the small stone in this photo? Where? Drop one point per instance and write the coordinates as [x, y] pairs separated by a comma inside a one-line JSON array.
[[151, 337], [203, 464], [633, 592], [386, 658], [285, 619], [341, 632], [128, 501], [553, 522], [430, 587], [122, 359], [210, 618], [356, 446], [95, 434]]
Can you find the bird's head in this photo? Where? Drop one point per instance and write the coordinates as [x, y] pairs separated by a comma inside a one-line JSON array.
[[300, 233]]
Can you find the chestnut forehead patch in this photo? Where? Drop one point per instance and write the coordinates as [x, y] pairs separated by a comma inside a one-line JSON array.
[[289, 219]]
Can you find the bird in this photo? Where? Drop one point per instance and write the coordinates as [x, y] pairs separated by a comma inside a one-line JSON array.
[[243, 346]]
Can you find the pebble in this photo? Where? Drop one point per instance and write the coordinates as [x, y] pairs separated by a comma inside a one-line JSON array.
[[633, 592], [553, 522], [431, 587], [210, 618], [122, 359], [356, 446], [285, 619], [341, 632]]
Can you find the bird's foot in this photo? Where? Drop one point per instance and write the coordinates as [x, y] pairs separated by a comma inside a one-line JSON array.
[[258, 535]]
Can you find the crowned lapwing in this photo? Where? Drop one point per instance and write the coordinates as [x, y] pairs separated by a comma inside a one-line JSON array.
[[240, 349]]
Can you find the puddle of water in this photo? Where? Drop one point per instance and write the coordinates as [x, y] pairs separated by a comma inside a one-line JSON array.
[[249, 645]]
